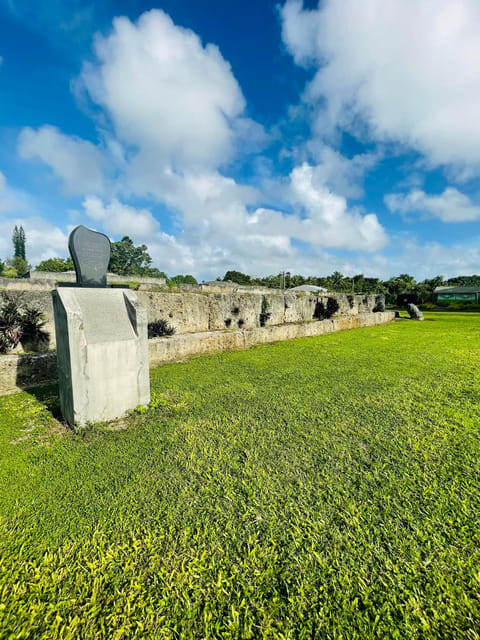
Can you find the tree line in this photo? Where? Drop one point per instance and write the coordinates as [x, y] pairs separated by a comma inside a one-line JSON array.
[[126, 259], [129, 260], [17, 265], [403, 283]]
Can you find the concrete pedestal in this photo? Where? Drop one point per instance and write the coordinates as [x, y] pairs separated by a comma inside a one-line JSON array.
[[102, 353]]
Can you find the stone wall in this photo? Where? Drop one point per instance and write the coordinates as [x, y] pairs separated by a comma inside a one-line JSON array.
[[69, 276], [198, 309], [27, 370]]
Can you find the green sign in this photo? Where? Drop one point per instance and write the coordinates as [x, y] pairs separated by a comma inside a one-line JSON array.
[[457, 297]]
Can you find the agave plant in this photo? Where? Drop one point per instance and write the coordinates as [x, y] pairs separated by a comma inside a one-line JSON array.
[[159, 328], [21, 325], [32, 326], [10, 325]]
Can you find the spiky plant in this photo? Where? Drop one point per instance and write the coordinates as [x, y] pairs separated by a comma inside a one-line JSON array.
[[160, 327]]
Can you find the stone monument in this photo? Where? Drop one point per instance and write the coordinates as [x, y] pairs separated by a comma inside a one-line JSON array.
[[414, 312], [101, 334], [90, 253]]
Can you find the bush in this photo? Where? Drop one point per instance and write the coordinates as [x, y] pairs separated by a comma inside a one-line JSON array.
[[324, 312], [18, 325], [33, 323], [463, 306], [57, 265], [159, 328], [265, 313], [10, 272], [379, 304]]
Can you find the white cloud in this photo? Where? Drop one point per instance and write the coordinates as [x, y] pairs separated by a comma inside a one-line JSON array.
[[12, 200], [120, 219], [429, 259], [43, 240], [328, 222], [167, 95], [449, 206], [171, 116], [409, 69], [341, 174], [78, 163]]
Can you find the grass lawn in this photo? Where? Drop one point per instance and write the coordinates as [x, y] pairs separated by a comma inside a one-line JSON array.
[[322, 488]]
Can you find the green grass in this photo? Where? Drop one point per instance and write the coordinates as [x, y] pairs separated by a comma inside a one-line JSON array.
[[322, 488]]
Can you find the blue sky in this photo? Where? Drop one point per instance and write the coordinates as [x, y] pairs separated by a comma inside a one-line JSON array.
[[258, 136]]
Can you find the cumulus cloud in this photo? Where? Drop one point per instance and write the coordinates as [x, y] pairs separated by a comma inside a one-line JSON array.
[[341, 174], [12, 200], [328, 222], [429, 259], [171, 116], [78, 163], [408, 70], [120, 219], [449, 206], [166, 94], [43, 240]]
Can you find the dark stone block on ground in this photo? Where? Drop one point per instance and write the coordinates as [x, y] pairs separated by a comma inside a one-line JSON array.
[[414, 312]]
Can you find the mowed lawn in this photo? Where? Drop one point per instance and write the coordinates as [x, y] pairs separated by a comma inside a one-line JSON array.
[[321, 488]]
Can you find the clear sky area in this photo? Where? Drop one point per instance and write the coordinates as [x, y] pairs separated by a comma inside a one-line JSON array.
[[261, 136]]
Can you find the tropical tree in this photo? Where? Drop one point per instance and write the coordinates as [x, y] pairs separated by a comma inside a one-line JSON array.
[[18, 239], [237, 276], [57, 265], [128, 260], [297, 281], [19, 265], [337, 281], [188, 279]]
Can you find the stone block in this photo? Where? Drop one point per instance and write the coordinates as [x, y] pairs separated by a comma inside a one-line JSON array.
[[102, 353]]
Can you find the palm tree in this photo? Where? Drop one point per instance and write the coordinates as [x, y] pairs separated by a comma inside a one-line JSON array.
[[337, 280]]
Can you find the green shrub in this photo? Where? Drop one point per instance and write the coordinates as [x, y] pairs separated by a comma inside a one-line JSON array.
[[464, 306], [265, 313], [379, 304], [19, 325], [10, 325], [159, 328], [454, 306], [33, 323], [428, 306], [324, 312], [10, 272]]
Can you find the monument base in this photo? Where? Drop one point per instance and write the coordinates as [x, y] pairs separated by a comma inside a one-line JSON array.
[[102, 353]]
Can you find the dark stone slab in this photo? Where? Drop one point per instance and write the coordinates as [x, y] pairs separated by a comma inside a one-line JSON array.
[[90, 253], [414, 312]]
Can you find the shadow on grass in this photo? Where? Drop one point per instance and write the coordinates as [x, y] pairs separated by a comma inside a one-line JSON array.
[[37, 375], [48, 396]]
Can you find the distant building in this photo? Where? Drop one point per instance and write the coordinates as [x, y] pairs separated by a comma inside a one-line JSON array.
[[309, 288], [456, 294]]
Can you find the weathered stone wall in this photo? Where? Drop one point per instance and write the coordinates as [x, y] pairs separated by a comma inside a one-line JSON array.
[[183, 346], [69, 276], [202, 310], [192, 312], [23, 371]]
